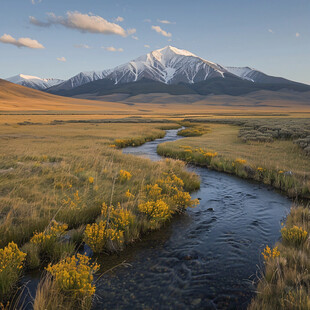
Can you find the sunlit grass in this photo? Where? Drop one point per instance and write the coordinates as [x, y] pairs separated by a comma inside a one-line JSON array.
[[280, 163]]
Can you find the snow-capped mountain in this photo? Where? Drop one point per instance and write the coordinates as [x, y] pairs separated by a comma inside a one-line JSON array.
[[168, 65], [33, 81], [171, 69], [80, 79], [256, 76]]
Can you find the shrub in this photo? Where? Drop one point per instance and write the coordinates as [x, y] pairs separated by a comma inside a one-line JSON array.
[[98, 235], [124, 175], [11, 264], [270, 253], [49, 243], [157, 211], [164, 198], [74, 275], [295, 236]]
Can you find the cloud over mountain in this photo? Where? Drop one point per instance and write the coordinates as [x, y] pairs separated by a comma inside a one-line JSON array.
[[83, 23], [21, 42], [161, 31]]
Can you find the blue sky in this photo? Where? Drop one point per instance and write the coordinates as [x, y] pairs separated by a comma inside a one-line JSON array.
[[270, 35]]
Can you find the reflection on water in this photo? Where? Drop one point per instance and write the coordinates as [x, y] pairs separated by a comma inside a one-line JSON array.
[[203, 259]]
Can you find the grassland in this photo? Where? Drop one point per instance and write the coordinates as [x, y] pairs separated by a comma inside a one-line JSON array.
[[282, 156], [56, 179], [65, 166]]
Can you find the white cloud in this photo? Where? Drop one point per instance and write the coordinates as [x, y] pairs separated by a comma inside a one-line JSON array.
[[131, 31], [164, 21], [147, 46], [161, 31], [21, 42], [39, 23], [270, 30], [135, 38], [297, 34], [62, 59], [81, 46], [84, 23], [112, 49], [119, 19]]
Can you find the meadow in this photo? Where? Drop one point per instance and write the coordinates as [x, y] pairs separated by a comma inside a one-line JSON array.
[[64, 182], [280, 162]]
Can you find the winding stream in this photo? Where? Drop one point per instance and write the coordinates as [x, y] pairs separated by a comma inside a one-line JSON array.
[[203, 259]]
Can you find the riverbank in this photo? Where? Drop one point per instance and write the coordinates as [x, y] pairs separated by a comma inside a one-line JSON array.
[[285, 282], [281, 164]]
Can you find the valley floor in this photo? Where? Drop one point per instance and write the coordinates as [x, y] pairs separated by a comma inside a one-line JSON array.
[[68, 167]]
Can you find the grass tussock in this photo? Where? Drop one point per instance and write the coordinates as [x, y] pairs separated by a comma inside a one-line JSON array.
[[285, 283], [193, 130]]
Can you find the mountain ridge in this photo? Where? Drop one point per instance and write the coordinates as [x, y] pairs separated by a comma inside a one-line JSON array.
[[172, 66]]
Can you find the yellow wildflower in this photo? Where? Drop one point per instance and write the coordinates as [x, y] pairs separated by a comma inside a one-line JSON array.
[[269, 253]]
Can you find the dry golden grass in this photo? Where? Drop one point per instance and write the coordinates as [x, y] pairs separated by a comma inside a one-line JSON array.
[[19, 99], [40, 162], [279, 155], [285, 283]]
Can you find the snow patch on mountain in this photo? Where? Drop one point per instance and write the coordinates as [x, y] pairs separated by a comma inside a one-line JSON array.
[[34, 81], [243, 72]]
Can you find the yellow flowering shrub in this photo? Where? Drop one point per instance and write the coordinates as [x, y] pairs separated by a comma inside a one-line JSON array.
[[54, 231], [240, 161], [74, 275], [183, 199], [124, 175], [91, 180], [98, 235], [121, 218], [11, 263], [47, 239], [294, 236], [120, 143], [164, 198], [270, 253], [156, 211]]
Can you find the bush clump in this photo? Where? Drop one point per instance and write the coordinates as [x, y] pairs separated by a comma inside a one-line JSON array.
[[11, 264]]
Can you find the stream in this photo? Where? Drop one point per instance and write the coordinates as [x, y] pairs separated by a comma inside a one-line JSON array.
[[206, 258]]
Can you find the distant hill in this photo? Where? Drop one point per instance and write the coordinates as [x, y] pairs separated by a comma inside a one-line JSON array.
[[16, 98], [19, 98]]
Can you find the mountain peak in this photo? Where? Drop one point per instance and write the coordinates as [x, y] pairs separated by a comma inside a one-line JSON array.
[[174, 50], [33, 81], [22, 77]]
